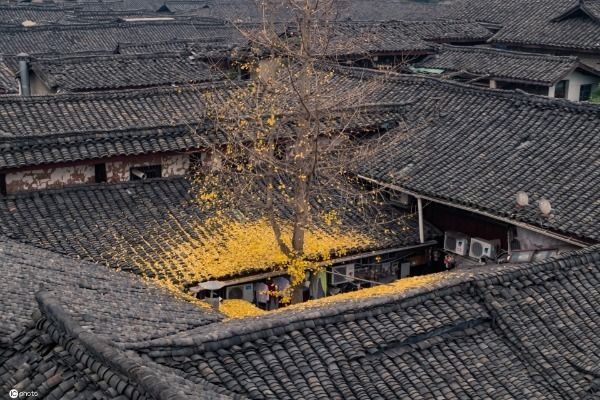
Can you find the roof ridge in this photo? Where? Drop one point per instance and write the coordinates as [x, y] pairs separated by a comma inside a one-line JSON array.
[[408, 22], [69, 59], [517, 54], [94, 186], [128, 93], [43, 7], [534, 100], [149, 379], [96, 25], [82, 136]]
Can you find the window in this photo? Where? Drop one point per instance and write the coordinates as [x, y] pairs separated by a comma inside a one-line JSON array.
[[521, 256], [585, 91], [147, 172], [561, 89], [100, 173], [2, 184]]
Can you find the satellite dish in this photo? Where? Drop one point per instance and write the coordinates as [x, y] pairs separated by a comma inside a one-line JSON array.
[[545, 207], [522, 199]]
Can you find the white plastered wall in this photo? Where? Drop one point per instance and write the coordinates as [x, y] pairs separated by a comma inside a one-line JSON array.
[[576, 79], [49, 178], [173, 165], [533, 240]]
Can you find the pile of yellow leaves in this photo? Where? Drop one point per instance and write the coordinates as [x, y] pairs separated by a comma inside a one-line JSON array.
[[396, 287], [225, 248], [240, 247], [239, 309]]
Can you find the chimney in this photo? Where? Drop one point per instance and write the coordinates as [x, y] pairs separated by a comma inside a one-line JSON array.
[[24, 73]]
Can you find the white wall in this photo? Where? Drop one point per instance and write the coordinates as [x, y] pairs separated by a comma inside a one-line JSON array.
[[175, 165], [576, 79], [117, 171], [37, 87], [49, 178], [533, 240]]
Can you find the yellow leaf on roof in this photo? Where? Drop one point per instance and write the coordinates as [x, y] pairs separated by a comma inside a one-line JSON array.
[[239, 309]]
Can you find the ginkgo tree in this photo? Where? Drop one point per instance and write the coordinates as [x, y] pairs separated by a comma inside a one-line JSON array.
[[291, 136]]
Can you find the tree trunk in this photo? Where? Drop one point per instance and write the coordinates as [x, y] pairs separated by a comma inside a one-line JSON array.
[[300, 223]]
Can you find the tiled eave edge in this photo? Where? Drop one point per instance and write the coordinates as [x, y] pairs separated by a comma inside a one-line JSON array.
[[233, 333], [568, 239], [517, 42], [149, 380]]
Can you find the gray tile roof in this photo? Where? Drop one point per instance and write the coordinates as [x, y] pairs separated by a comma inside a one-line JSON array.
[[233, 11], [94, 222], [60, 128], [521, 132], [76, 146], [122, 5], [185, 6], [536, 23], [56, 365], [540, 141], [108, 303], [502, 332], [8, 83], [365, 10], [93, 146], [497, 64], [213, 47], [480, 147], [583, 8], [40, 116], [90, 37], [225, 32], [62, 352], [444, 31], [84, 16], [502, 12], [355, 10], [40, 14], [402, 36], [576, 34], [122, 71]]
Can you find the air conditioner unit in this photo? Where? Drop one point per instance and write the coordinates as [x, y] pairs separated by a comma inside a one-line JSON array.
[[456, 242], [241, 292], [342, 274], [400, 199], [482, 248]]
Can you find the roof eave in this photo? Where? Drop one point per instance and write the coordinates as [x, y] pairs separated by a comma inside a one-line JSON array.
[[579, 7], [567, 14], [568, 239], [353, 257], [541, 46]]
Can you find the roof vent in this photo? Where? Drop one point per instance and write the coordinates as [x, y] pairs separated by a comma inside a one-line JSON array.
[[24, 73]]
